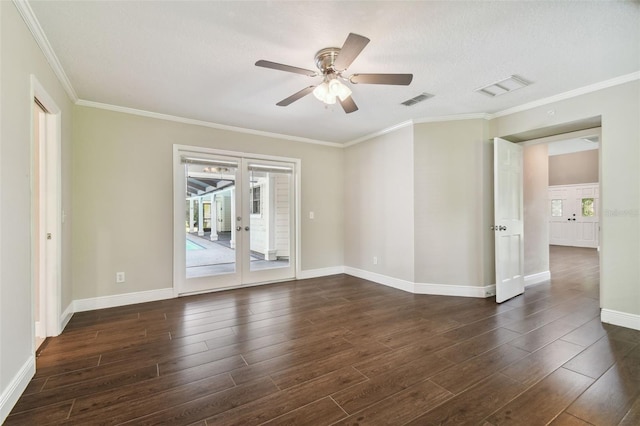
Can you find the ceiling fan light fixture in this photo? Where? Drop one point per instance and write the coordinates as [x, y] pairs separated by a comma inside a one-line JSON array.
[[322, 93], [327, 92], [339, 89]]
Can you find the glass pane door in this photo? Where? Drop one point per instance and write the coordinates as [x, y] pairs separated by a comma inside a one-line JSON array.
[[210, 252], [270, 209], [234, 221]]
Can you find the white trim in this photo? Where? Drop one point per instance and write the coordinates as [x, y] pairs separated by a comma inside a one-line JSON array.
[[423, 288], [538, 278], [81, 305], [322, 272], [66, 316], [16, 387], [456, 117], [570, 94], [41, 39], [594, 131], [621, 319], [378, 133], [53, 214], [202, 123], [455, 290], [398, 283]]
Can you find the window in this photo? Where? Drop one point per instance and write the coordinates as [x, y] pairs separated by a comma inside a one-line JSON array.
[[588, 208], [256, 205], [556, 208]]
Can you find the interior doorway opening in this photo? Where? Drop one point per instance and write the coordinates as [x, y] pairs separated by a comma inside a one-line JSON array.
[[562, 202], [39, 222], [46, 216]]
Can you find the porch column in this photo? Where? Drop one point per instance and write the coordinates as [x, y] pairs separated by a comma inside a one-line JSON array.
[[200, 217], [192, 227], [214, 219]]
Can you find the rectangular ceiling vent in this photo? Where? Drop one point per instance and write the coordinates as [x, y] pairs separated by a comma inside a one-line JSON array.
[[503, 86], [421, 97]]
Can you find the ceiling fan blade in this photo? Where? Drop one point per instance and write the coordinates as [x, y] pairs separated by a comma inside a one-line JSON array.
[[350, 50], [291, 99], [348, 105], [287, 68], [394, 79]]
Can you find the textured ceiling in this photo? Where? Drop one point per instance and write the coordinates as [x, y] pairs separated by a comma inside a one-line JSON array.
[[196, 59]]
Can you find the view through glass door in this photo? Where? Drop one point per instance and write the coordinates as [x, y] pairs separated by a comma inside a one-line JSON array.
[[234, 221]]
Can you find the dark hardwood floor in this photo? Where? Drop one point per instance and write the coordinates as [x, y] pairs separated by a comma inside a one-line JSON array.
[[342, 350]]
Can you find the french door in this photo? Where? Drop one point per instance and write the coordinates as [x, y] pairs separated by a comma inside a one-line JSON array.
[[234, 220], [574, 212]]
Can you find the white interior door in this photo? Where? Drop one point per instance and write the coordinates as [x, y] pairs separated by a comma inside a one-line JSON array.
[[509, 223], [234, 221]]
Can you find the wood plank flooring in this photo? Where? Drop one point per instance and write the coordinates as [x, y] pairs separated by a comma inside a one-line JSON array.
[[345, 351]]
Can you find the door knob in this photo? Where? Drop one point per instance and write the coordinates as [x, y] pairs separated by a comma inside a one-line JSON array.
[[238, 228], [246, 228]]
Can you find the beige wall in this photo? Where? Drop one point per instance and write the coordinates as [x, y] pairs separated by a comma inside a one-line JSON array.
[[619, 108], [123, 202], [536, 216], [20, 58], [449, 237], [378, 205], [575, 168]]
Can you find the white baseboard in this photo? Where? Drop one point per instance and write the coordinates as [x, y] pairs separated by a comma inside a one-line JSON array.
[[81, 305], [322, 272], [66, 316], [423, 288], [538, 278], [622, 319], [456, 290], [380, 279], [16, 387]]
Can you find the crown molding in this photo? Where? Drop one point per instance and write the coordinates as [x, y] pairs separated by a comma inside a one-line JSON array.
[[378, 133], [457, 117], [167, 117], [568, 95], [24, 8], [417, 121]]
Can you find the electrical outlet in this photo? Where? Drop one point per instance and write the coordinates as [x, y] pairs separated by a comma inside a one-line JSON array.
[[119, 277], [375, 260]]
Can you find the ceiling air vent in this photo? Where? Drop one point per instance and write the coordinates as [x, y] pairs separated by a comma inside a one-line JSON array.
[[503, 86], [421, 97]]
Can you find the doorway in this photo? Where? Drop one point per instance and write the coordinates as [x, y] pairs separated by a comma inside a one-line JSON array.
[[562, 198], [46, 215], [39, 222], [234, 221]]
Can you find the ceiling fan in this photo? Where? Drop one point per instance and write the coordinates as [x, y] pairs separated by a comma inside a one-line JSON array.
[[332, 62]]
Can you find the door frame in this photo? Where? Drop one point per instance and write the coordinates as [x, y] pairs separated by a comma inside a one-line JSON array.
[[178, 208], [52, 260]]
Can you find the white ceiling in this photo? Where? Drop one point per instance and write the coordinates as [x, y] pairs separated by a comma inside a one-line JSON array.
[[195, 59]]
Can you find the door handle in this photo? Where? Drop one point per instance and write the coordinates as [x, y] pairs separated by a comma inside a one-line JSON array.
[[238, 228], [246, 228]]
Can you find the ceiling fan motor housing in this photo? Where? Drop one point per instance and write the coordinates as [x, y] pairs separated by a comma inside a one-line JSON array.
[[325, 59]]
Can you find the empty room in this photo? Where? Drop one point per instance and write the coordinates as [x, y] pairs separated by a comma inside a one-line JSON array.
[[319, 212]]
